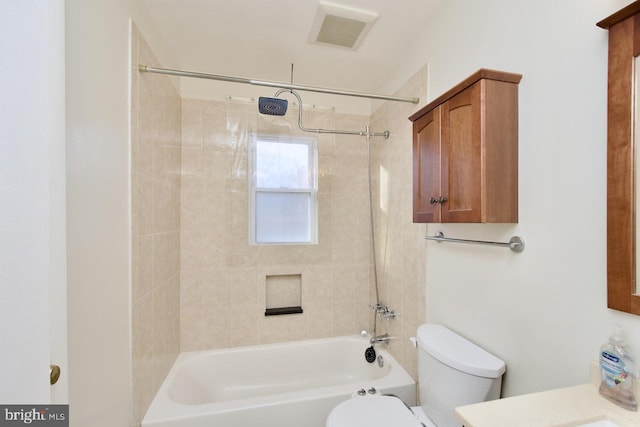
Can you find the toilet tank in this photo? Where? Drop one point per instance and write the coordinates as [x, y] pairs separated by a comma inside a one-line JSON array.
[[452, 372]]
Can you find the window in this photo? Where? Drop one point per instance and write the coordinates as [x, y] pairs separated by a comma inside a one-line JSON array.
[[283, 190]]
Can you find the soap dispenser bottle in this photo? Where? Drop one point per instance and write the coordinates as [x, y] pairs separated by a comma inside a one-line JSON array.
[[618, 372]]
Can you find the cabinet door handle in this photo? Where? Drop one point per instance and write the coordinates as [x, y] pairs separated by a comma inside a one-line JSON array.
[[440, 200]]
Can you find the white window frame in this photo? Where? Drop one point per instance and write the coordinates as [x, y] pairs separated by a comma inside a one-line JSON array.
[[312, 190]]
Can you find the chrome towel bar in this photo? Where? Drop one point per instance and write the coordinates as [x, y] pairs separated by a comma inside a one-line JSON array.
[[516, 243]]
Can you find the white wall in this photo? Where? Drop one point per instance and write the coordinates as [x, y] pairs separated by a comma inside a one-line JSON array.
[[97, 206], [543, 311], [98, 209]]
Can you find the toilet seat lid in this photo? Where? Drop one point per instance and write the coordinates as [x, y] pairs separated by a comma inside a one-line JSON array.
[[372, 411]]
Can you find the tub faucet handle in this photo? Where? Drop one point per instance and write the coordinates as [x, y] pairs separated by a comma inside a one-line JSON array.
[[384, 311], [389, 314], [378, 308]]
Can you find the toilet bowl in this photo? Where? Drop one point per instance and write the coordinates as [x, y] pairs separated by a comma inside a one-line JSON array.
[[452, 372]]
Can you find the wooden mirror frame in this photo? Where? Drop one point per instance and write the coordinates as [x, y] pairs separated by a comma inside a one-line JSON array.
[[624, 47]]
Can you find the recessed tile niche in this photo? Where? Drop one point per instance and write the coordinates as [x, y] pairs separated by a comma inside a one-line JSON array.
[[283, 294]]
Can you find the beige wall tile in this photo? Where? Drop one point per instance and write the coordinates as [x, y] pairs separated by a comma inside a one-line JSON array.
[[156, 164], [192, 122]]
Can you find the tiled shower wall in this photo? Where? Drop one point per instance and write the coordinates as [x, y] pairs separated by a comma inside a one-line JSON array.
[[155, 136], [223, 277], [400, 244]]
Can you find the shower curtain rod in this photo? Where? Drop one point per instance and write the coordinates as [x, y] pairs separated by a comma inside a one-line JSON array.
[[180, 73]]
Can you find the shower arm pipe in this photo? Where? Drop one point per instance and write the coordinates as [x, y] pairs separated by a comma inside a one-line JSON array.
[[180, 73], [365, 132]]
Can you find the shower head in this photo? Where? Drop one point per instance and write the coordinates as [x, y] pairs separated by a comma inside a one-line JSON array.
[[278, 107], [272, 106]]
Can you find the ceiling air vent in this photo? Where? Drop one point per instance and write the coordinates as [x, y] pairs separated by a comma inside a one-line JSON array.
[[342, 26]]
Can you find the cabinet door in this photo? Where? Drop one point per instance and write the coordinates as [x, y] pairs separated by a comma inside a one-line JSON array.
[[426, 167], [461, 161]]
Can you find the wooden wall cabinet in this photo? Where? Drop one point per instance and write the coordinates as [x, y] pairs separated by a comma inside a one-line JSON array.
[[465, 152]]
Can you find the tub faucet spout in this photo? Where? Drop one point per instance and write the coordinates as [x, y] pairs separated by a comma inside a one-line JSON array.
[[380, 339]]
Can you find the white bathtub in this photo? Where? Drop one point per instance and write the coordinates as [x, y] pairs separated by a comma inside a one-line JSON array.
[[289, 384]]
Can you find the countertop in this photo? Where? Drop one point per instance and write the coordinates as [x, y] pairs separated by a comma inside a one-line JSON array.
[[564, 407]]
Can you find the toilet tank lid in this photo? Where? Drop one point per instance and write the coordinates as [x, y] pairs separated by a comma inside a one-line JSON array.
[[457, 352]]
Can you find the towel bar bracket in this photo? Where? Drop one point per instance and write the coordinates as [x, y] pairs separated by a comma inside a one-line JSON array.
[[516, 243]]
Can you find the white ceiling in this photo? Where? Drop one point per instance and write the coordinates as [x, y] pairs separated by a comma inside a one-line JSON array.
[[259, 39]]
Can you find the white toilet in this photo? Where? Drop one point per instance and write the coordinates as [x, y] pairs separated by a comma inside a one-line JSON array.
[[452, 372]]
